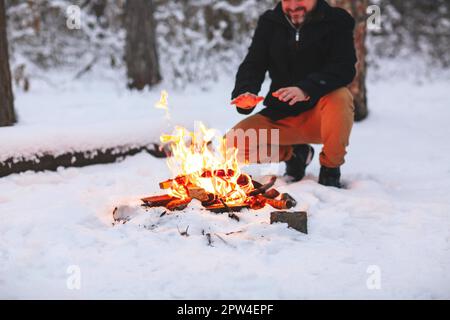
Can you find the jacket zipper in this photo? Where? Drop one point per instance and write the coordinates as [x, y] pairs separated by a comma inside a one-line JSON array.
[[297, 30]]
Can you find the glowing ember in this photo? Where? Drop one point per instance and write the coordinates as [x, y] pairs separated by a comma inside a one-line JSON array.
[[201, 159]]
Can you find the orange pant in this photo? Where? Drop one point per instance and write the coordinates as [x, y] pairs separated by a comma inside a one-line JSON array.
[[329, 123]]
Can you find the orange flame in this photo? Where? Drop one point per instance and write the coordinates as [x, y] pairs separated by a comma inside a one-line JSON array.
[[216, 170]]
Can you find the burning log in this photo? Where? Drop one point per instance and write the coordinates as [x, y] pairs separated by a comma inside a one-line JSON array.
[[287, 196], [264, 188], [181, 180], [199, 193], [281, 204], [244, 180], [166, 184], [220, 208], [157, 201], [178, 204], [257, 198], [256, 202], [256, 184], [271, 194]]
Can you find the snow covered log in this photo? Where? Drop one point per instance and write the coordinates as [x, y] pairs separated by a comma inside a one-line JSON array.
[[51, 162]]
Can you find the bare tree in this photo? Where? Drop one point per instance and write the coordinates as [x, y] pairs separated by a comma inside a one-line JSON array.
[[140, 49], [357, 8], [7, 114]]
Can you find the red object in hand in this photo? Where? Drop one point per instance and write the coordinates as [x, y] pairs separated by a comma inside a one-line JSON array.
[[247, 100]]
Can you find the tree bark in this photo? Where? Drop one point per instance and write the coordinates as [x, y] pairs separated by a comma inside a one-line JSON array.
[[141, 50], [7, 114], [357, 8]]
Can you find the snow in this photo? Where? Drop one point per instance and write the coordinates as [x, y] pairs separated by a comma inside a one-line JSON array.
[[394, 217]]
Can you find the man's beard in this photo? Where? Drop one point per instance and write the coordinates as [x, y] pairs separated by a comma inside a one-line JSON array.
[[296, 16]]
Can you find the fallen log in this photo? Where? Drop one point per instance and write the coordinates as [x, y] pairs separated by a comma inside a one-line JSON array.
[[51, 162]]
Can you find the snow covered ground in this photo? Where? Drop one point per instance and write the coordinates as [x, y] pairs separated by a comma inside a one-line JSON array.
[[391, 226]]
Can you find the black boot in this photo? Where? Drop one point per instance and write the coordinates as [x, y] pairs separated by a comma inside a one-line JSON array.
[[330, 177], [301, 157]]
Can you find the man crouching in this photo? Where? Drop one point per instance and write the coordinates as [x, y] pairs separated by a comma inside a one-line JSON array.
[[307, 47]]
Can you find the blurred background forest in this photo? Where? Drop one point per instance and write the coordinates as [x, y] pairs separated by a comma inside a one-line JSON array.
[[197, 41]]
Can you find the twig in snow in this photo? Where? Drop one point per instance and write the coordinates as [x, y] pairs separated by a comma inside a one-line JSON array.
[[208, 237], [184, 233], [231, 214], [233, 232], [224, 241]]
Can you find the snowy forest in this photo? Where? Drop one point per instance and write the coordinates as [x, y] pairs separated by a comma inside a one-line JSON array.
[[89, 88]]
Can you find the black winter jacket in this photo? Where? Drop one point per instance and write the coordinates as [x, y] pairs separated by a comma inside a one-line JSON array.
[[319, 59]]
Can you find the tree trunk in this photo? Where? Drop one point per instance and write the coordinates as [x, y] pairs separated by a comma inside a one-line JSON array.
[[140, 50], [357, 8], [7, 114]]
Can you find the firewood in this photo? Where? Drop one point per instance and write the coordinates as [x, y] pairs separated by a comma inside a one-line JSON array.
[[168, 183], [256, 202], [212, 200], [243, 180], [256, 184], [287, 196], [296, 220], [157, 201], [281, 204], [178, 204], [198, 193], [271, 194], [264, 188], [220, 208]]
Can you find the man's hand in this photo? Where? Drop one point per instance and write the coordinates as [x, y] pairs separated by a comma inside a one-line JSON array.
[[247, 100], [291, 95]]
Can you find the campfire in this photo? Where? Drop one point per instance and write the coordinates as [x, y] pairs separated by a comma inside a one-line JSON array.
[[206, 170]]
